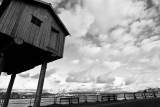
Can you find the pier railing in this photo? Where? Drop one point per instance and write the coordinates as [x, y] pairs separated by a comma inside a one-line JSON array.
[[85, 98], [105, 97]]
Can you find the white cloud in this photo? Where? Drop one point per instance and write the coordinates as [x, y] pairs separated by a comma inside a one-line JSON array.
[[75, 61], [112, 65], [119, 81], [78, 22], [111, 41], [90, 50], [156, 2], [80, 77], [110, 13]]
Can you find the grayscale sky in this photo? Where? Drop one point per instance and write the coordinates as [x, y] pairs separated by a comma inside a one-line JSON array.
[[114, 46]]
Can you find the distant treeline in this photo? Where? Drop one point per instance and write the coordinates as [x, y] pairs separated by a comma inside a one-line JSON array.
[[15, 95]]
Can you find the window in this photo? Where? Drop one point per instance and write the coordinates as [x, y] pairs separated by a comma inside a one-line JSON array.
[[36, 21], [53, 39]]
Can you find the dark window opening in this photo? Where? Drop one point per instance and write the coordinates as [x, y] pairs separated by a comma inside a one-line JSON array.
[[36, 21]]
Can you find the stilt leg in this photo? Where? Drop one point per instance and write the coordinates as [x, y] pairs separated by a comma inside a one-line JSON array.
[[8, 93], [1, 62], [40, 85]]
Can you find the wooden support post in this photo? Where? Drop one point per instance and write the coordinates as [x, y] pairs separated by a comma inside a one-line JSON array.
[[97, 99], [55, 100], [78, 100], [1, 61], [125, 97], [86, 99], [8, 93], [134, 95], [40, 85]]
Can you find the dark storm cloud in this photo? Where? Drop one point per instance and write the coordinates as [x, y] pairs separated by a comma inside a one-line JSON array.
[[27, 75]]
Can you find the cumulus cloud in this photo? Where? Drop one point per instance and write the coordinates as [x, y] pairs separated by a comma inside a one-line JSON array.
[[75, 24], [26, 75], [80, 77], [90, 50], [107, 16], [48, 74], [118, 37], [112, 65], [75, 61], [156, 2], [3, 74], [129, 81], [36, 76], [57, 81], [121, 36], [105, 79]]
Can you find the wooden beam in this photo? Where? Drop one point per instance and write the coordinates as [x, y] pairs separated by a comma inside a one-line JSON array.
[[18, 41], [40, 85], [1, 62], [8, 93]]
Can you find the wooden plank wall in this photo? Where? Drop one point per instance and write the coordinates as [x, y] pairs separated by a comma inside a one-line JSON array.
[[9, 17], [16, 21]]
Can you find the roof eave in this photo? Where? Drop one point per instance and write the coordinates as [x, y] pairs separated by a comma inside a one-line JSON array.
[[55, 13]]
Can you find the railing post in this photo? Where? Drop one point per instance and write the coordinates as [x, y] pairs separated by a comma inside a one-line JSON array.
[[134, 95], [154, 94], [101, 98], [97, 99], [69, 101], [115, 97], [108, 98], [55, 100], [145, 95], [86, 99], [8, 93], [40, 85], [125, 97], [78, 100]]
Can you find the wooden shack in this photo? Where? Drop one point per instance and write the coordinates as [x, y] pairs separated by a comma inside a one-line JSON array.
[[30, 32]]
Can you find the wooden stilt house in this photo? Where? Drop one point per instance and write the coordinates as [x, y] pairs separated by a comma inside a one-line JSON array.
[[30, 33]]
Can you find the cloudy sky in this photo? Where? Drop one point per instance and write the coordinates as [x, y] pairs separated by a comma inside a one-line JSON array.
[[114, 46]]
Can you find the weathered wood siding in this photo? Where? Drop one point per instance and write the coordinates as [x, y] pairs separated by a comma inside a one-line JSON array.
[[9, 17], [16, 22]]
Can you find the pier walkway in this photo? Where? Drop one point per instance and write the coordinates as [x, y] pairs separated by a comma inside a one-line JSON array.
[[154, 102]]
